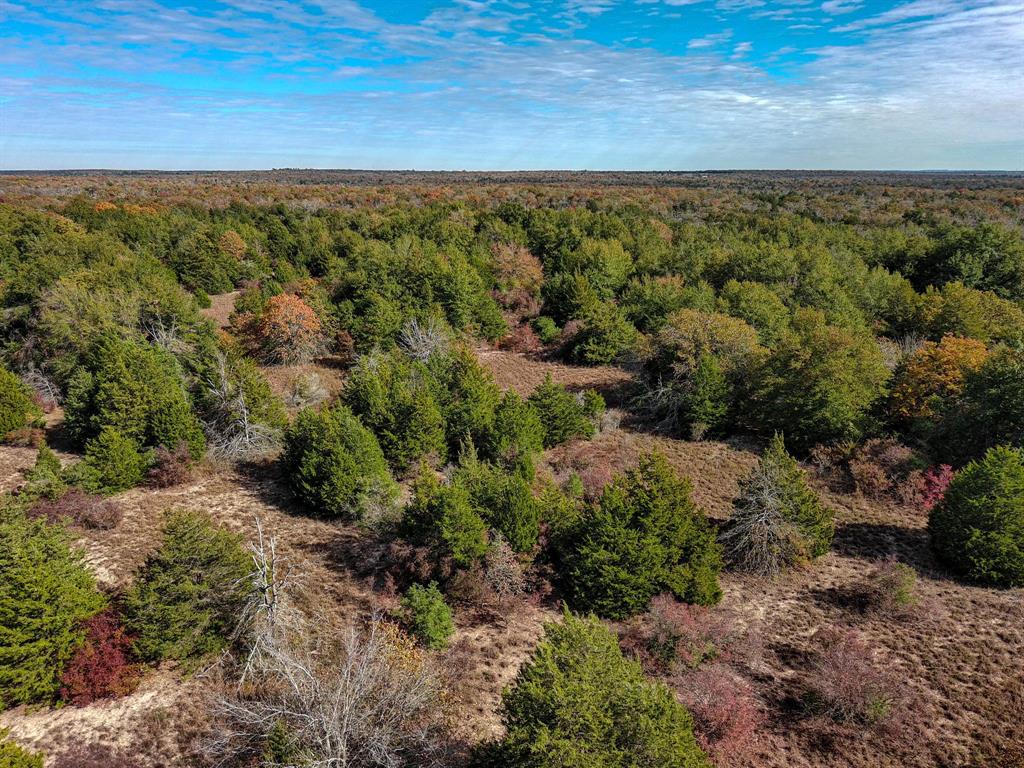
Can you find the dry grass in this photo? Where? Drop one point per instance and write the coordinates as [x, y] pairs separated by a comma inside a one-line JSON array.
[[513, 370], [221, 307]]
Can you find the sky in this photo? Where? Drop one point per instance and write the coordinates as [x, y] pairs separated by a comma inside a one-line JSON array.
[[488, 84]]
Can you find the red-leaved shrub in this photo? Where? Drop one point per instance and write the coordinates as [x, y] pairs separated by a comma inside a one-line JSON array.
[[103, 666], [848, 685], [935, 482], [76, 507], [674, 636], [726, 712], [170, 467]]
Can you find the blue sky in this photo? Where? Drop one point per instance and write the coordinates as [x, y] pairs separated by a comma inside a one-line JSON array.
[[479, 84]]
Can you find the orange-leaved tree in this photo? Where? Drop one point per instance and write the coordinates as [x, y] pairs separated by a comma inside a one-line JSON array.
[[289, 330], [933, 374]]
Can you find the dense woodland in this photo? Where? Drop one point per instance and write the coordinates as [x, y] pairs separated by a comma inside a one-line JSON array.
[[856, 339]]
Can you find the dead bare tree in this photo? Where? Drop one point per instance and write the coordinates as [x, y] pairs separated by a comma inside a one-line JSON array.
[[421, 340], [759, 537], [232, 430], [42, 385], [369, 699]]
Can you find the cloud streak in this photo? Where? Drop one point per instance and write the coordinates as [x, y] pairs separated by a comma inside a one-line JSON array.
[[474, 84]]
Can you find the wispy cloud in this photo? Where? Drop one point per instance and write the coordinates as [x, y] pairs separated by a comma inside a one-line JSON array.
[[485, 84]]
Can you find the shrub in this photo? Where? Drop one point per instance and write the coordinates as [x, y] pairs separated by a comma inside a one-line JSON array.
[[46, 593], [16, 407], [393, 397], [563, 415], [978, 527], [674, 637], [502, 570], [334, 464], [890, 589], [186, 598], [523, 338], [578, 702], [818, 384], [934, 483], [427, 616], [883, 467], [443, 516], [95, 755], [365, 699], [289, 330], [102, 667], [113, 462], [547, 329], [645, 535], [846, 684], [79, 508], [14, 756], [170, 467], [504, 501], [777, 520], [726, 712]]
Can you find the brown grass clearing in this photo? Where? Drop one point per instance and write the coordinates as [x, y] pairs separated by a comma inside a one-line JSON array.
[[221, 307]]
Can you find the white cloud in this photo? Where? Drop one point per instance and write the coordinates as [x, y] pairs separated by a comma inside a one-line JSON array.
[[839, 7]]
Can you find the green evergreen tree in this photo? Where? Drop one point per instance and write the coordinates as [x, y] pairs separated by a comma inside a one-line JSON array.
[[16, 407], [334, 464], [577, 703], [978, 527], [562, 413], [468, 397], [113, 462], [136, 389], [45, 595], [604, 335], [706, 395], [517, 434], [645, 535], [394, 398], [443, 516], [427, 615], [505, 501], [186, 599]]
